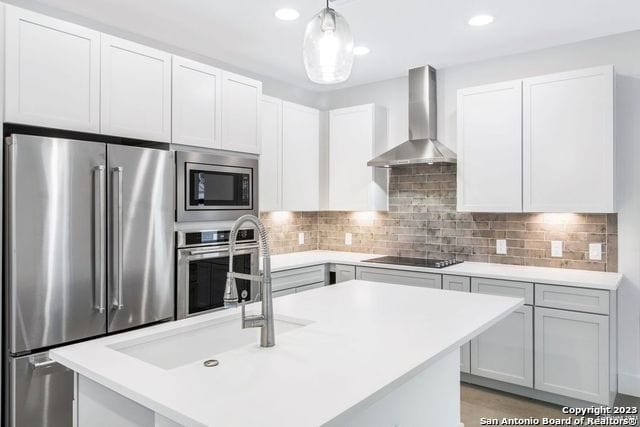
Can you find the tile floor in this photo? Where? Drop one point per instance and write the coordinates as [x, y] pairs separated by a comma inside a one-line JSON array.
[[478, 402]]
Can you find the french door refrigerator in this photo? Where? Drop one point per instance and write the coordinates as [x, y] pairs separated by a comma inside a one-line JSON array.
[[89, 251]]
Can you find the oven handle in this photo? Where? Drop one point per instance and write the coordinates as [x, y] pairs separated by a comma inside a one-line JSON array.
[[220, 250]]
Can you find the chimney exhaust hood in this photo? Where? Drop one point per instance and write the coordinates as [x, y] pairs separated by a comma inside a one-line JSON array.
[[422, 146]]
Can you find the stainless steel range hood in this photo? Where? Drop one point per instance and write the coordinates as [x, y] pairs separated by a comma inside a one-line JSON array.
[[422, 147]]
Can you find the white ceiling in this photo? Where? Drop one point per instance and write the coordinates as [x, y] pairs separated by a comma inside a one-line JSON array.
[[400, 33]]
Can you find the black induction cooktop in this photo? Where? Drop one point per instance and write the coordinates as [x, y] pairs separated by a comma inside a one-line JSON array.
[[414, 262]]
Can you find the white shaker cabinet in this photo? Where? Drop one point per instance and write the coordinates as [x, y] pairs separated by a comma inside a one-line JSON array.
[[568, 142], [52, 72], [197, 104], [241, 98], [290, 157], [505, 351], [271, 155], [300, 158], [572, 354], [490, 148], [135, 90], [356, 135]]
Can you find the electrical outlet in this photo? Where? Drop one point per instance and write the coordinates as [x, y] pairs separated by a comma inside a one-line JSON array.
[[348, 238], [595, 251], [556, 248], [301, 238], [501, 247]]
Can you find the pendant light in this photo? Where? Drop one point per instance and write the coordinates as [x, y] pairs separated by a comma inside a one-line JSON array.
[[328, 47]]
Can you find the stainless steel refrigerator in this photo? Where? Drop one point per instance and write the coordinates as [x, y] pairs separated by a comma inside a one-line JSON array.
[[89, 251]]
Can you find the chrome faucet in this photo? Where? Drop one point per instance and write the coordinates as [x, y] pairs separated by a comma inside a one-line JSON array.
[[264, 320]]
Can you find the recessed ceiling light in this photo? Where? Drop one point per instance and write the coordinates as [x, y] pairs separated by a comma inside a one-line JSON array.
[[361, 50], [287, 14], [480, 20]]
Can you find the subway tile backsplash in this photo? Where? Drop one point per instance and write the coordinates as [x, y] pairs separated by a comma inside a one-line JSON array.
[[422, 222]]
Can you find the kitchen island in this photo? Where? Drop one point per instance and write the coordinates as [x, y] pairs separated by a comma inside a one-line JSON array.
[[358, 353]]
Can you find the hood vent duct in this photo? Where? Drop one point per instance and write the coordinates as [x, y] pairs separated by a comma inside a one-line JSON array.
[[422, 146]]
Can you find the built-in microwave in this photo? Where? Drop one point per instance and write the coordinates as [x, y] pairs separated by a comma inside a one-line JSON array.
[[211, 187]]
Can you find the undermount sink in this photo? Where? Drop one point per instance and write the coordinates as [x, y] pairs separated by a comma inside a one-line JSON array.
[[182, 346]]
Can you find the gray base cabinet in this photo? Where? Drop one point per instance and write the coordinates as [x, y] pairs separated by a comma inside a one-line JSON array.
[[344, 272], [399, 277], [505, 352], [460, 284], [572, 354]]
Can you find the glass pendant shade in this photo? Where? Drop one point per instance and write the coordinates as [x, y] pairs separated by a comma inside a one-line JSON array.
[[328, 48]]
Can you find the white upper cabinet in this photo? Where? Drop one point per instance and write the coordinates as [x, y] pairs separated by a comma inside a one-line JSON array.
[[542, 144], [52, 72], [241, 113], [136, 90], [568, 142], [490, 148], [271, 156], [356, 135], [300, 158], [197, 102]]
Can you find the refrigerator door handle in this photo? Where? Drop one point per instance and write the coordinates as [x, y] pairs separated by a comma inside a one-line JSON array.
[[117, 237], [99, 227], [42, 363]]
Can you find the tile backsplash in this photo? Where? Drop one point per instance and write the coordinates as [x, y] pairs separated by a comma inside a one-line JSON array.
[[422, 222]]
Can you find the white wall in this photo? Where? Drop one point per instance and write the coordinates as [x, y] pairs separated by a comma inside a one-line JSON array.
[[622, 50]]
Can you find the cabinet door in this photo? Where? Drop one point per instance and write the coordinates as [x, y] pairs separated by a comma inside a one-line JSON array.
[[241, 113], [196, 100], [300, 158], [490, 148], [52, 72], [136, 90], [568, 143], [399, 277], [572, 354], [271, 155], [345, 273], [505, 351], [460, 284], [353, 136]]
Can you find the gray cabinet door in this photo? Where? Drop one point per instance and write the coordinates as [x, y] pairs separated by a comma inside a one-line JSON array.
[[505, 351], [41, 392], [55, 236], [345, 273], [399, 277], [572, 354], [460, 284], [141, 217]]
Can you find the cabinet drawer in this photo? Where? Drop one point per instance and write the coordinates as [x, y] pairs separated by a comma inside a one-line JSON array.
[[297, 277], [399, 277], [344, 272], [568, 298], [505, 288], [456, 283]]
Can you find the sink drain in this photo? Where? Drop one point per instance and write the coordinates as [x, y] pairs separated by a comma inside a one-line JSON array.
[[211, 363]]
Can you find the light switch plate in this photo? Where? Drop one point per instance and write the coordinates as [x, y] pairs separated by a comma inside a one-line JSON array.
[[556, 248], [301, 238], [595, 251], [348, 238], [501, 247]]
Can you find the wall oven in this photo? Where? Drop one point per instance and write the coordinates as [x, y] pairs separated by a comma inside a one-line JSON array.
[[202, 266], [211, 187]]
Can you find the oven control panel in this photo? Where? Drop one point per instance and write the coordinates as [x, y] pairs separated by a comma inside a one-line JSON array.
[[212, 237]]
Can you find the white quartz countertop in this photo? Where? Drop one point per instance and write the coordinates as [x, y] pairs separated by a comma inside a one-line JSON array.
[[552, 276], [360, 338]]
